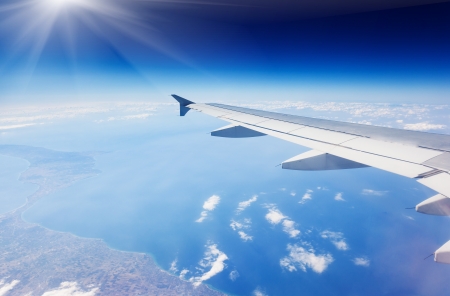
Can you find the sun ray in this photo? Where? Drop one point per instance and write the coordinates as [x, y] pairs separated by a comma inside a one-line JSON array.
[[37, 22]]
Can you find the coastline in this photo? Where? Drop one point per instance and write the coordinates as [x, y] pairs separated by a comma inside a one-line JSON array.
[[134, 266]]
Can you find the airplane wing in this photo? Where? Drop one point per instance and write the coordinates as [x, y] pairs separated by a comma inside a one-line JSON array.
[[341, 145]]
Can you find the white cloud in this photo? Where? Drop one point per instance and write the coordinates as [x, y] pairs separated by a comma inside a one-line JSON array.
[[183, 273], [361, 261], [6, 287], [203, 216], [366, 122], [235, 225], [423, 126], [274, 216], [306, 196], [373, 192], [234, 275], [302, 258], [337, 238], [214, 258], [136, 116], [288, 227], [6, 127], [245, 237], [70, 289], [245, 224], [209, 205], [173, 266], [339, 197], [258, 292], [245, 204], [293, 193], [358, 110], [31, 114], [127, 117]]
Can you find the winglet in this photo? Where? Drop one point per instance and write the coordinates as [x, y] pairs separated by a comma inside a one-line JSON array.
[[183, 103]]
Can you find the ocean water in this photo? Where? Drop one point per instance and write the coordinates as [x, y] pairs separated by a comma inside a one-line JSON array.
[[156, 177], [13, 193]]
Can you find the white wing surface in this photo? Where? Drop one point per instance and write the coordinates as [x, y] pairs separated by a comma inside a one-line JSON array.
[[340, 145]]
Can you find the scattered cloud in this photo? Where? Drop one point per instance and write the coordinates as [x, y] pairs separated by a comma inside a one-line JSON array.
[[304, 257], [6, 127], [214, 260], [173, 266], [183, 273], [244, 224], [373, 192], [203, 216], [274, 216], [127, 117], [237, 226], [6, 287], [258, 292], [245, 237], [356, 110], [322, 188], [361, 261], [307, 196], [209, 205], [337, 238], [293, 193], [70, 289], [234, 275], [423, 126], [288, 227], [245, 204], [21, 116], [339, 197], [366, 122]]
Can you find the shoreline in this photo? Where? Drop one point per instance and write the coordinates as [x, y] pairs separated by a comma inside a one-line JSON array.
[[16, 215]]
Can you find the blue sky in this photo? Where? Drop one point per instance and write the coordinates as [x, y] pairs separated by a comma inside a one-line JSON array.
[[67, 49]]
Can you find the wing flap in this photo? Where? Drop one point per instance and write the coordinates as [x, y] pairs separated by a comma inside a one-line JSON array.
[[392, 165], [246, 118], [392, 150], [322, 135], [407, 169], [281, 126]]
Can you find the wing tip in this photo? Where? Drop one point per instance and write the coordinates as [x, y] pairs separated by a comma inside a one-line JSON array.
[[183, 103]]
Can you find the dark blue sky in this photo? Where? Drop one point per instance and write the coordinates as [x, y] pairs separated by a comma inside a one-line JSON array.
[[159, 48]]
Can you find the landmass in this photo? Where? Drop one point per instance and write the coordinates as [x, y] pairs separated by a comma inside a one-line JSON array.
[[38, 261]]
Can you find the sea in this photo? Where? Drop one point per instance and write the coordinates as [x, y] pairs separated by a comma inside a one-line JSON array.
[[222, 211]]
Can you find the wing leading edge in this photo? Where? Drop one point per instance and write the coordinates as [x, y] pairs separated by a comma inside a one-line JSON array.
[[340, 145]]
